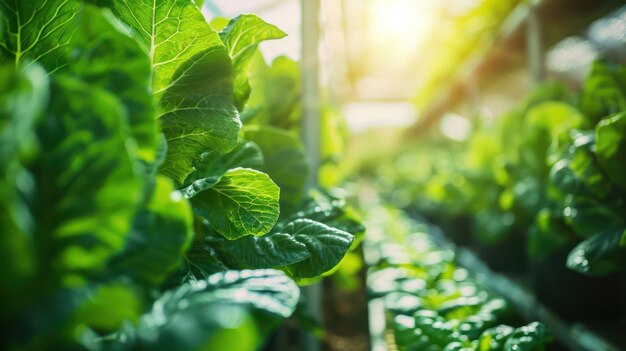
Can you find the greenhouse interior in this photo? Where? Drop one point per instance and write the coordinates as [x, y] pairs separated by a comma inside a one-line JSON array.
[[315, 175]]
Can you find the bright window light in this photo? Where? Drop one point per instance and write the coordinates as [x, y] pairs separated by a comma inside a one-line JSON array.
[[400, 22]]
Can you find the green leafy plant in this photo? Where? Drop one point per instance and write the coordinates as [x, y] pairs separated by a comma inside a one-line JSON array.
[[137, 211], [432, 304], [551, 170]]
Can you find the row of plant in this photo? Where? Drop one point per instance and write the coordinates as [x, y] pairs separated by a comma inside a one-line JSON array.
[[550, 171], [430, 302], [138, 212]]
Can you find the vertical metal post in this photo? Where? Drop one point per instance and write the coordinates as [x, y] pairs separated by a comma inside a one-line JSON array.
[[310, 84], [310, 134], [534, 46]]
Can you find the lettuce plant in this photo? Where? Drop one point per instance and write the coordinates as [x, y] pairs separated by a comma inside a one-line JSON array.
[[138, 212]]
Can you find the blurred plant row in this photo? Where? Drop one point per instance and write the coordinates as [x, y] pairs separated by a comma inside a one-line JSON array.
[[137, 211], [430, 302], [551, 171]]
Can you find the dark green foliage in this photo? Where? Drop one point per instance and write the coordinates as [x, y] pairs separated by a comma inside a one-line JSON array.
[[435, 306]]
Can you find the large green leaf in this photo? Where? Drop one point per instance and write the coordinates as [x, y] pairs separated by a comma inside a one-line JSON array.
[[269, 291], [199, 113], [162, 231], [39, 30], [599, 255], [611, 148], [241, 37], [211, 166], [87, 190], [192, 79], [172, 31], [191, 316], [243, 202], [107, 58], [303, 247], [273, 250], [285, 162], [588, 216], [325, 244]]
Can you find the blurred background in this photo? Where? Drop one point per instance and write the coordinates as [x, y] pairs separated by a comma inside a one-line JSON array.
[[455, 112], [410, 63]]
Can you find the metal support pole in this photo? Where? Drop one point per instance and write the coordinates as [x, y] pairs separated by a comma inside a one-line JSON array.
[[310, 84], [534, 47], [310, 135]]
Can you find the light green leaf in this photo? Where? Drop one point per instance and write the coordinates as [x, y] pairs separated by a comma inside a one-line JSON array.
[[218, 22], [554, 117], [241, 37], [325, 244], [107, 58], [39, 30], [87, 190], [210, 167], [97, 312], [161, 233], [244, 202], [599, 255], [276, 93], [23, 97], [192, 79], [611, 148], [285, 162], [172, 31], [199, 113]]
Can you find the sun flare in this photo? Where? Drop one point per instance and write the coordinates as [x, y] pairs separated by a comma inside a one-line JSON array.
[[399, 21]]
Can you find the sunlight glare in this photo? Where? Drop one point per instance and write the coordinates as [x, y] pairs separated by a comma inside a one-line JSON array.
[[399, 21]]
